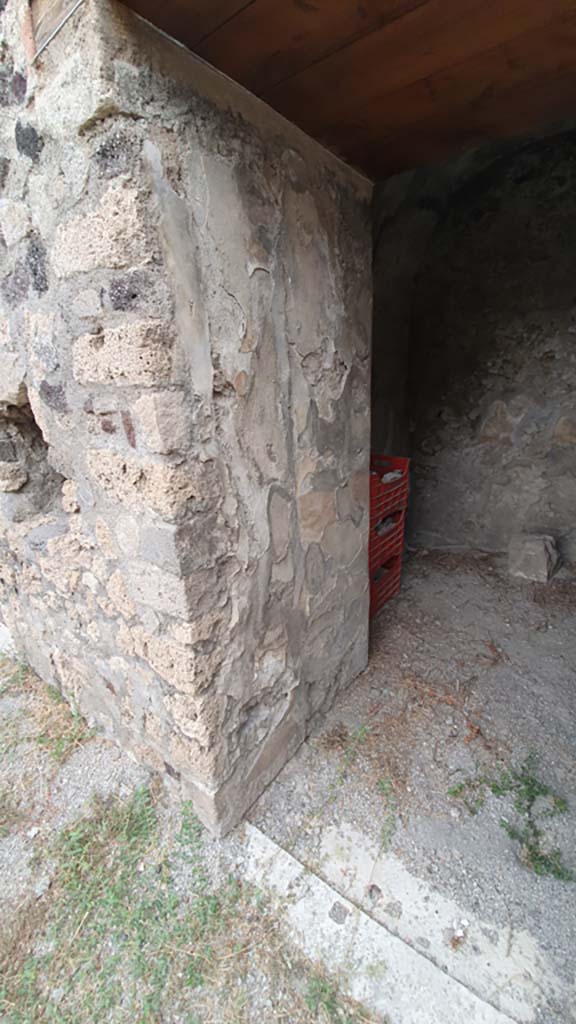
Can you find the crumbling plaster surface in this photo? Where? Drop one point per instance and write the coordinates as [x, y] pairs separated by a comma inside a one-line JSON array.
[[186, 294], [483, 329]]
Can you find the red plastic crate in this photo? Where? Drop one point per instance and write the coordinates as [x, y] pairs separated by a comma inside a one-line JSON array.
[[388, 503], [387, 497], [383, 545], [385, 583]]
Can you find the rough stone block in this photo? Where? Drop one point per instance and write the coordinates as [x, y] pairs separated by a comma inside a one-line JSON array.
[[533, 557], [12, 374], [114, 234], [137, 352], [163, 418], [13, 476], [160, 486], [159, 590]]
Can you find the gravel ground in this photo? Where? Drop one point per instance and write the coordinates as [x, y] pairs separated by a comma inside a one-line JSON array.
[[470, 674]]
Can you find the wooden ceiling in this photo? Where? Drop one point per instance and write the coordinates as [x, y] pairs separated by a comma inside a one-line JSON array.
[[390, 84]]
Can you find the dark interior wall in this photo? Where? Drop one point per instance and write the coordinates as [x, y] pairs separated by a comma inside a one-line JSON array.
[[475, 343]]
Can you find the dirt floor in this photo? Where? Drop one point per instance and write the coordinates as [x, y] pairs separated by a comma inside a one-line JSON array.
[[439, 794]]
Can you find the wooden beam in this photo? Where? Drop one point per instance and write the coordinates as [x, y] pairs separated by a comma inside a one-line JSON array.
[[302, 33], [509, 90], [352, 84], [189, 21]]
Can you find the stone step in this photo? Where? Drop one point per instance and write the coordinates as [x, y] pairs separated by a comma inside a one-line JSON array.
[[374, 967]]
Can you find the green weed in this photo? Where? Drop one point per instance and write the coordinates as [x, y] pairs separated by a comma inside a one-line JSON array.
[[117, 937], [322, 997], [525, 787]]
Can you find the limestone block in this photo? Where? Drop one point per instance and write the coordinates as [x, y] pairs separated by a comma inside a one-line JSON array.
[[12, 374], [136, 352], [14, 221], [163, 418], [73, 95], [159, 486], [114, 234], [13, 476], [162, 591], [533, 557]]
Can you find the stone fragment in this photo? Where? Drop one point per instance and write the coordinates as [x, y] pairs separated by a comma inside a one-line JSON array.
[[114, 234], [12, 374], [28, 141], [136, 352], [13, 476], [565, 430], [14, 222], [36, 260], [533, 557], [498, 425], [163, 417], [70, 502], [118, 593], [15, 285]]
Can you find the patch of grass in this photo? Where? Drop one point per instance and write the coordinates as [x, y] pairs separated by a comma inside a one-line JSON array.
[[61, 729], [57, 727], [18, 677], [525, 787], [117, 939], [9, 811], [533, 853], [322, 998]]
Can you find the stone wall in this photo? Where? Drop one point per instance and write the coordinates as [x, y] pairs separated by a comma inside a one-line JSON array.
[[185, 347], [487, 322]]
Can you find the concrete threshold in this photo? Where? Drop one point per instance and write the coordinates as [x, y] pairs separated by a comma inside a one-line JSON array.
[[374, 967]]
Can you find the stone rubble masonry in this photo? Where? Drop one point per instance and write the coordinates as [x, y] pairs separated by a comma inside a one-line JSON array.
[[184, 429]]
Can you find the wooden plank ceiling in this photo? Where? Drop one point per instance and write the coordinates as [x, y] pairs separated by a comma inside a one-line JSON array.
[[390, 84]]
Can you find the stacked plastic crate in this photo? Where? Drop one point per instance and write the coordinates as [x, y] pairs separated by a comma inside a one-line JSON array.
[[388, 501]]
